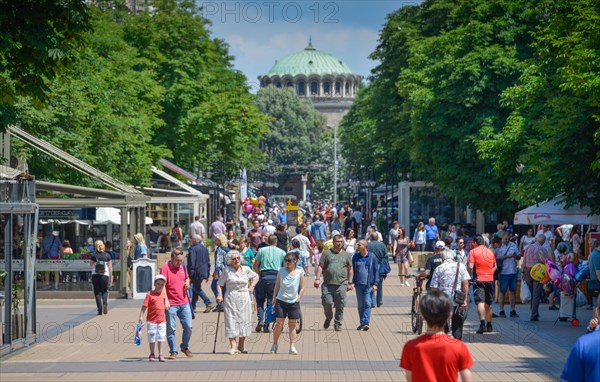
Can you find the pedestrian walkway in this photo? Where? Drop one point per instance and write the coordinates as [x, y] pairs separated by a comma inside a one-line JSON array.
[[77, 345]]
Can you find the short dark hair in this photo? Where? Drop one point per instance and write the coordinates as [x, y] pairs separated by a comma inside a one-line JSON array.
[[496, 240], [448, 240], [435, 307], [293, 254], [295, 243], [478, 239], [298, 230]]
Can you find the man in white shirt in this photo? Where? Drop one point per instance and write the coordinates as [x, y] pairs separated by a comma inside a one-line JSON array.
[[443, 279], [197, 228]]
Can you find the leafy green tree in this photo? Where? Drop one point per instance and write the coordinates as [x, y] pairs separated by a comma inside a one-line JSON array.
[[452, 88], [104, 110], [38, 39], [296, 128], [553, 133], [298, 136], [209, 114]]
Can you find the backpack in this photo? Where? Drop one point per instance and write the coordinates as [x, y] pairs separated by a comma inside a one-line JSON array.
[[174, 236], [99, 265]]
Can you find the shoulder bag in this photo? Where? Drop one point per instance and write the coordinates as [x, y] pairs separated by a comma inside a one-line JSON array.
[[459, 295]]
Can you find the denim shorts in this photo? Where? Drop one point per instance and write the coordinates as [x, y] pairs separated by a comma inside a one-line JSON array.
[[508, 282]]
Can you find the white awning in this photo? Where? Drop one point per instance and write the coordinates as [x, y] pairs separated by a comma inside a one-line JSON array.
[[109, 215]]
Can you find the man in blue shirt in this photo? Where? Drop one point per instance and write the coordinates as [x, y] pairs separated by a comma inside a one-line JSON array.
[[593, 285], [582, 364], [366, 278], [431, 235], [319, 231]]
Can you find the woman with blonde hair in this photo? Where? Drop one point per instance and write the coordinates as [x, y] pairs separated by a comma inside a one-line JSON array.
[[101, 276], [141, 250]]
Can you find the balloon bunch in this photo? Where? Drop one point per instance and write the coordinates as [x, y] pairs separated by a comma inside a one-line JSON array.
[[253, 206], [563, 276]]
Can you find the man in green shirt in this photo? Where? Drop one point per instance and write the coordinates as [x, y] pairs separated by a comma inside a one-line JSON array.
[[336, 267], [267, 263]]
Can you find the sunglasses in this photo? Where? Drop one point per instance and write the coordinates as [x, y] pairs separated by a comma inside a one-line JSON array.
[[289, 260], [235, 258]]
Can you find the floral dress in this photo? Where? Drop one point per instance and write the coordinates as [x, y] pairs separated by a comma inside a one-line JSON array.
[[402, 251], [236, 302]]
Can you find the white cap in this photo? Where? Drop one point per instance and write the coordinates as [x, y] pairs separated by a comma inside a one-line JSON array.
[[440, 244], [160, 277]]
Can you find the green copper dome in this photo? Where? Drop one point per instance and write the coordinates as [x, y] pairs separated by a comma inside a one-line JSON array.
[[309, 62]]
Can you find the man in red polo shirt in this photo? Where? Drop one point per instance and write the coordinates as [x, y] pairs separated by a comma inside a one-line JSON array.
[[482, 264], [177, 286]]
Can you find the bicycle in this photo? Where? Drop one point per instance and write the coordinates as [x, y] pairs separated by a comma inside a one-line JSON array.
[[416, 318]]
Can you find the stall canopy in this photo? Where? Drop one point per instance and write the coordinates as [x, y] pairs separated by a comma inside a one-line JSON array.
[[554, 212], [109, 215]]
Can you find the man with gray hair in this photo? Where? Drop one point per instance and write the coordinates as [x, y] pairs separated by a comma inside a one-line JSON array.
[[536, 253], [449, 277], [198, 263]]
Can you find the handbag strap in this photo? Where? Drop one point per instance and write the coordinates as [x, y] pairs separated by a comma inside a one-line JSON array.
[[456, 277]]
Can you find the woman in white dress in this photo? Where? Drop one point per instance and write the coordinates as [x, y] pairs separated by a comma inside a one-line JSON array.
[[239, 282]]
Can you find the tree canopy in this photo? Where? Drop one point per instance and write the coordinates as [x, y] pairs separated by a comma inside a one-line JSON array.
[[496, 102], [145, 86], [553, 131], [38, 39]]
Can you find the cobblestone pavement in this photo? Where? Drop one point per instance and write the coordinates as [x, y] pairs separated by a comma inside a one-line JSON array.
[[77, 345]]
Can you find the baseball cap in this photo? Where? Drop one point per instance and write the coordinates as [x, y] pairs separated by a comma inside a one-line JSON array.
[[440, 244], [160, 277]]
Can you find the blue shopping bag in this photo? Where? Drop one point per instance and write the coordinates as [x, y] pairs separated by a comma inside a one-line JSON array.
[[138, 334], [270, 313]]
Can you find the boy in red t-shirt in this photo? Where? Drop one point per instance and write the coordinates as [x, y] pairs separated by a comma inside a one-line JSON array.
[[156, 303], [435, 356]]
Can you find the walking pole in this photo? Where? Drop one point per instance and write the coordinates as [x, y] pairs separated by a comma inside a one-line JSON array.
[[217, 331]]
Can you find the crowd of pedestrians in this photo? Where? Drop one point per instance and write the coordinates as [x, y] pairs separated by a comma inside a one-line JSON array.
[[263, 272]]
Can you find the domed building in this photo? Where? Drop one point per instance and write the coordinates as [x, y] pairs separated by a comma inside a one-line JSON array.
[[319, 76]]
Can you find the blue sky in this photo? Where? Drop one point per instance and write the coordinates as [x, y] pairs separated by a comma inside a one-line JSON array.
[[260, 32]]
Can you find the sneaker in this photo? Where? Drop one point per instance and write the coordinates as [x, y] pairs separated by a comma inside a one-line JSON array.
[[406, 283], [243, 350], [274, 349], [187, 352], [361, 327], [266, 329], [209, 307], [105, 309], [553, 307], [173, 355], [161, 358], [151, 358], [481, 329], [232, 351], [337, 328], [326, 324], [293, 351], [365, 328], [489, 327], [259, 327], [502, 314], [513, 313]]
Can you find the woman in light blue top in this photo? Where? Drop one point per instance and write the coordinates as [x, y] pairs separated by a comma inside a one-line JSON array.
[[288, 291]]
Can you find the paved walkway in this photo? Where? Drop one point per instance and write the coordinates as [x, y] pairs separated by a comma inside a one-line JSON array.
[[77, 345]]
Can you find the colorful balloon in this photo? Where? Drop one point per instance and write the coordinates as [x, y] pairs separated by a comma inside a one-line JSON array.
[[538, 272]]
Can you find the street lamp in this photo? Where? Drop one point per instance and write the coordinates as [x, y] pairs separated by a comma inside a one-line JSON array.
[[335, 163]]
